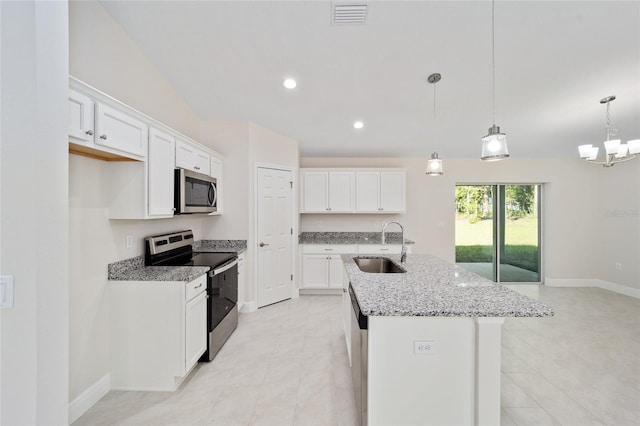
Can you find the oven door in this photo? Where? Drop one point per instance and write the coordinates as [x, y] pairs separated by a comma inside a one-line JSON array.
[[195, 192], [222, 288]]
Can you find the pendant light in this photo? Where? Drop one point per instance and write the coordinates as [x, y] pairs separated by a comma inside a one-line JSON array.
[[494, 145], [434, 164]]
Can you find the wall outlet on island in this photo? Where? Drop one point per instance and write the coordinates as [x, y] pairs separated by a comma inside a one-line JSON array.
[[424, 347], [129, 241]]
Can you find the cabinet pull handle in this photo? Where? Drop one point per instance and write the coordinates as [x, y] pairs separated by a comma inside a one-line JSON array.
[[384, 249], [328, 249], [198, 286], [196, 167], [89, 132], [263, 244], [103, 137]]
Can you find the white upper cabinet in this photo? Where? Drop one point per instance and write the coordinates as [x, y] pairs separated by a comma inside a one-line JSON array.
[[328, 192], [380, 191], [81, 129], [161, 161], [191, 158], [353, 191], [117, 130]]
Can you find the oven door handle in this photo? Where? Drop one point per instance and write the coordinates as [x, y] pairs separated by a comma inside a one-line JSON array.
[[225, 267]]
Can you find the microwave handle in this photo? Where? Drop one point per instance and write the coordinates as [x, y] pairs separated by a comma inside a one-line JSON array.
[[213, 194]]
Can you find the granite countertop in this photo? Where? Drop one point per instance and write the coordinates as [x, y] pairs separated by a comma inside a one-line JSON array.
[[433, 287], [351, 238], [214, 246], [133, 269]]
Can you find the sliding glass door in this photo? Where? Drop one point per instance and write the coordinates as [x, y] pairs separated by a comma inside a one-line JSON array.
[[498, 231]]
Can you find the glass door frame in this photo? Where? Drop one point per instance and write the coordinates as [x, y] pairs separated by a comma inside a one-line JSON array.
[[498, 225]]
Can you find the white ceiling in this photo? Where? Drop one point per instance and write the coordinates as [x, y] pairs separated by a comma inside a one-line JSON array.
[[554, 62]]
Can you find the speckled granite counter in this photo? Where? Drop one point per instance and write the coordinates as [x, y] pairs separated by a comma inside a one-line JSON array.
[[433, 287], [134, 270], [214, 246], [351, 238]]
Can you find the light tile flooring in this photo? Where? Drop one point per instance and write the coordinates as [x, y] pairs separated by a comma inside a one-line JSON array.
[[287, 364]]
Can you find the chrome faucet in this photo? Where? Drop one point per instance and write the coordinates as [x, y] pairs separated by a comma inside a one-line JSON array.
[[403, 253]]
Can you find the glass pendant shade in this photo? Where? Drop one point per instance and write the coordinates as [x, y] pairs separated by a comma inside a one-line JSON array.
[[634, 146], [494, 145], [585, 150], [623, 149], [612, 146], [434, 165]]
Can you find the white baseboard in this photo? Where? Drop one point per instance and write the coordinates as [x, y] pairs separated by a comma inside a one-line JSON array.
[[593, 282], [88, 398], [249, 307]]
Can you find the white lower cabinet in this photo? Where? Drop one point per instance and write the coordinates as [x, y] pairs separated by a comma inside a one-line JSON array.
[[382, 249], [241, 279], [158, 332], [346, 313], [322, 266]]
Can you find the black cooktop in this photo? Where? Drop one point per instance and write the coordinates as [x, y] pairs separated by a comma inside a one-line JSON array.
[[208, 259]]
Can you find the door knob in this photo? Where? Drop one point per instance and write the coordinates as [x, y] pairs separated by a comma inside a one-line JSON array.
[[263, 244]]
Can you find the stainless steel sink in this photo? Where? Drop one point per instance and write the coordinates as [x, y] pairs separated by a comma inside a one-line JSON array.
[[378, 265]]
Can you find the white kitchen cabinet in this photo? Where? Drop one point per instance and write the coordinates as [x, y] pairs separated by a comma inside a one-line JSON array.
[[118, 130], [161, 161], [192, 158], [380, 191], [328, 191], [158, 332], [81, 110], [322, 266]]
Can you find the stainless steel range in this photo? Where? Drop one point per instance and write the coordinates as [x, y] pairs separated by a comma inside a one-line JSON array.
[[176, 249]]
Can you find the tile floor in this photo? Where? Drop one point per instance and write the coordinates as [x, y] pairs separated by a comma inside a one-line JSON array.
[[287, 365]]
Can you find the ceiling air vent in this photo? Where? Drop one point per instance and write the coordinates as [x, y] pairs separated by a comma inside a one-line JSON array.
[[349, 13]]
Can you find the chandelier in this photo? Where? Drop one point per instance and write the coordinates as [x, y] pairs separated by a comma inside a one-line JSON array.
[[434, 164], [615, 151]]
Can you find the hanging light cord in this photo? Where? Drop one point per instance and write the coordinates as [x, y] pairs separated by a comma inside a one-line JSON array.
[[493, 61], [434, 113]]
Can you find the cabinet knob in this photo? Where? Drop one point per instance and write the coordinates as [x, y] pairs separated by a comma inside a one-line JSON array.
[[263, 244], [104, 137], [89, 132]]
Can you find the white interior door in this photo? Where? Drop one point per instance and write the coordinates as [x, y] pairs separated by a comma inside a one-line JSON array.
[[275, 227]]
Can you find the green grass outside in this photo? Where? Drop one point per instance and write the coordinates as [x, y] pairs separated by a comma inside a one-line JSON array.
[[474, 242]]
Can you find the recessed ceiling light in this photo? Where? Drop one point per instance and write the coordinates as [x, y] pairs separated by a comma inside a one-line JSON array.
[[358, 124], [289, 83]]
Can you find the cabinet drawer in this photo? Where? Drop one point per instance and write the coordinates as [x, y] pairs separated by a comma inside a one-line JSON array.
[[195, 287], [329, 248], [379, 249]]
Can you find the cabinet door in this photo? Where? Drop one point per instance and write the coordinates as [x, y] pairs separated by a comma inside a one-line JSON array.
[[202, 162], [341, 191], [161, 161], [115, 129], [241, 280], [346, 313], [184, 155], [195, 329], [80, 118], [216, 168], [315, 271], [368, 191], [315, 192], [335, 271], [392, 191]]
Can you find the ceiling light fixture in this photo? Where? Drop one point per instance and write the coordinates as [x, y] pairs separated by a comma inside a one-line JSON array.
[[358, 124], [494, 145], [289, 83], [434, 164], [615, 152]]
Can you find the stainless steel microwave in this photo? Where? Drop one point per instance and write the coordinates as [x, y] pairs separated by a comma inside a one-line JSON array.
[[195, 192]]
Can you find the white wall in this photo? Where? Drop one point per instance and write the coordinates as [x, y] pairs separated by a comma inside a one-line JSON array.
[[580, 243], [34, 214], [102, 55]]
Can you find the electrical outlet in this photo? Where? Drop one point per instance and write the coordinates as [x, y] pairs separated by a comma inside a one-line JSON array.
[[618, 266], [6, 291], [129, 241], [424, 347]]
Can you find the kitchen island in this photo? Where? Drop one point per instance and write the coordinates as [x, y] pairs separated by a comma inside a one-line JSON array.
[[430, 353]]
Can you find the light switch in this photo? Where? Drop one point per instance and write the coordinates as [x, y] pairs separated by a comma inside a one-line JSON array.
[[6, 291]]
